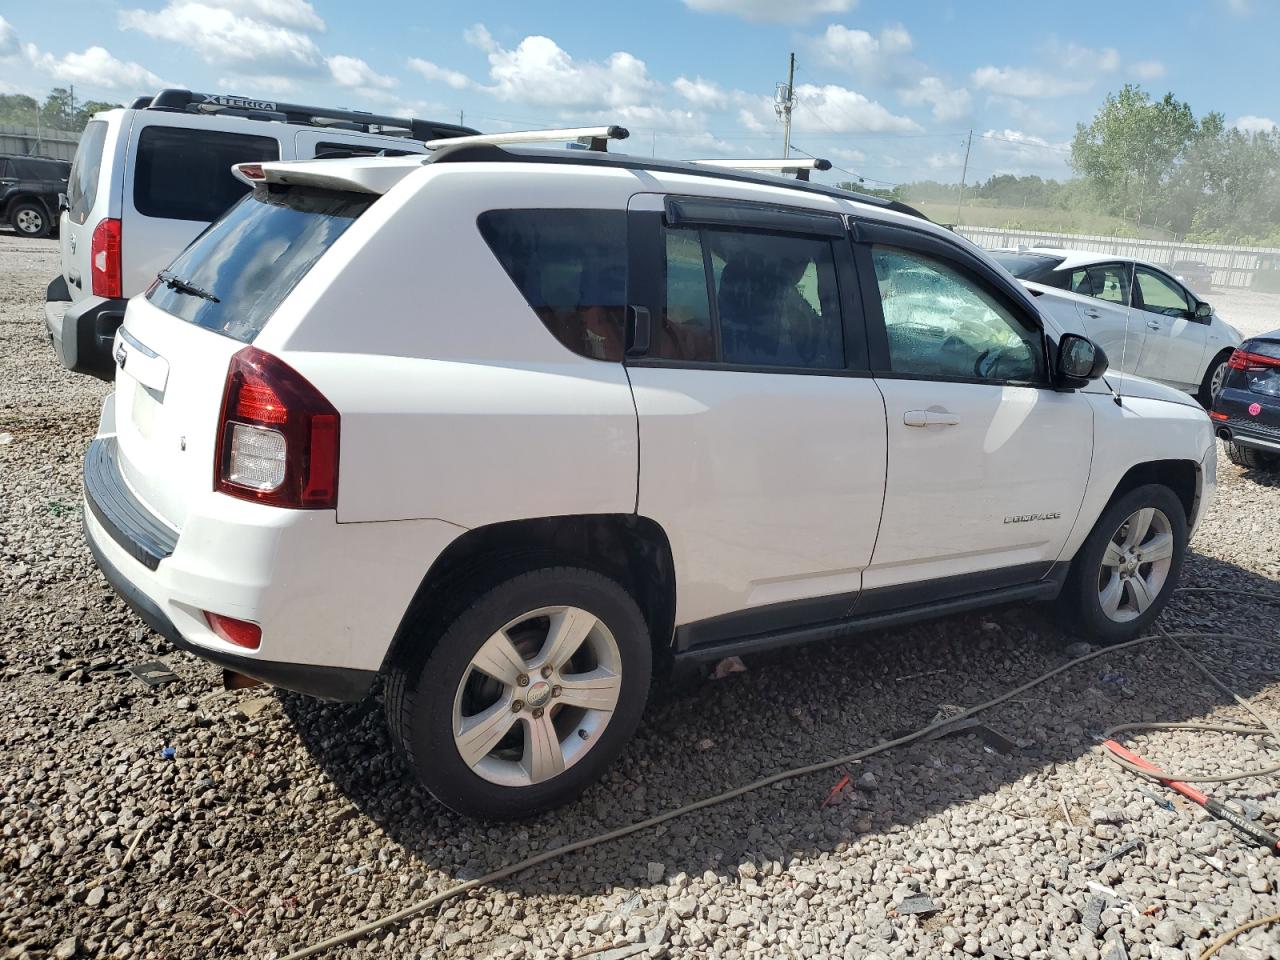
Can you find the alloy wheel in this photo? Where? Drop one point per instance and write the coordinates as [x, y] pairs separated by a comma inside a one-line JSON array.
[[29, 221], [1218, 379], [1135, 564], [536, 696]]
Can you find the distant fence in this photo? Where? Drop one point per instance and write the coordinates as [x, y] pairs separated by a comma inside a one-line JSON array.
[[30, 142], [1232, 266]]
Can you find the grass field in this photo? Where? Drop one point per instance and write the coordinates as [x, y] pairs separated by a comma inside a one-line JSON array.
[[1051, 219]]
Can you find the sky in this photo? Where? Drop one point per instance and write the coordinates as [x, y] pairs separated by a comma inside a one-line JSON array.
[[888, 91]]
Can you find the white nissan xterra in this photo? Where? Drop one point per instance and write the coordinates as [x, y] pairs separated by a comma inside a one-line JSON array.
[[147, 179], [511, 427]]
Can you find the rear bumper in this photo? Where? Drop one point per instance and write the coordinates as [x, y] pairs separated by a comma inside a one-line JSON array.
[[82, 332], [1253, 419]]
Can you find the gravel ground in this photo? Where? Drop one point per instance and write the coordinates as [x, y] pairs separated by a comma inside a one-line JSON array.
[[1249, 312], [278, 820]]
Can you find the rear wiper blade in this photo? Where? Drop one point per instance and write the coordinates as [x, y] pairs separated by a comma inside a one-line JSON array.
[[175, 282]]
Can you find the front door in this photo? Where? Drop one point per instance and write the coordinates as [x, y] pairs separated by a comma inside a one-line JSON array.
[[1175, 339], [987, 463]]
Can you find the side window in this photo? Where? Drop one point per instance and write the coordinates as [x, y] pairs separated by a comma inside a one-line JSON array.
[[942, 323], [686, 331], [1160, 295], [1107, 281], [82, 189], [185, 174], [342, 151], [571, 267]]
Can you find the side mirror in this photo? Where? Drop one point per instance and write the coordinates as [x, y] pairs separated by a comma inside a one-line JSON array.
[[1079, 360], [1203, 310]]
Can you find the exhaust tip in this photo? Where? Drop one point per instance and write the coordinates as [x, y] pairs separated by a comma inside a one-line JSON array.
[[1224, 435]]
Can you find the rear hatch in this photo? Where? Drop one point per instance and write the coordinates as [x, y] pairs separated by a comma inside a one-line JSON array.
[[88, 202], [177, 340]]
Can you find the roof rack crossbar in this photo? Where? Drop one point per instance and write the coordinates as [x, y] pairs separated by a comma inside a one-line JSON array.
[[188, 102], [797, 166], [593, 138]]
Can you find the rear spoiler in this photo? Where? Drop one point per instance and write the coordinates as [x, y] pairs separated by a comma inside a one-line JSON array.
[[376, 177]]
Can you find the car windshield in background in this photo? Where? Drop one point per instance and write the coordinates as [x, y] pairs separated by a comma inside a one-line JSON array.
[[232, 278], [1036, 267]]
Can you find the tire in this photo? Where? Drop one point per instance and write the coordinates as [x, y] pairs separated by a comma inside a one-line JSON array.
[[1216, 371], [1152, 583], [30, 219], [431, 695], [1251, 459]]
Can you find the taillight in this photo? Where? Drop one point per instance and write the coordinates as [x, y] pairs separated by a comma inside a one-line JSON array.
[[277, 436], [1216, 415], [104, 259], [1244, 360], [240, 632]]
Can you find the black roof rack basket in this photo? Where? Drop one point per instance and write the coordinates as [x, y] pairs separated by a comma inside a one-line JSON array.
[[185, 101]]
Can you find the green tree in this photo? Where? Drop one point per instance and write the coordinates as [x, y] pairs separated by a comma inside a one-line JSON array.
[[1131, 149]]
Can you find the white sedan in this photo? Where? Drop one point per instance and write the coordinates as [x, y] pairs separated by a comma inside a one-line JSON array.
[[1149, 323]]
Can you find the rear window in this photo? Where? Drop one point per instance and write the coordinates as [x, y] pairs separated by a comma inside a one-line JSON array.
[[1031, 266], [253, 257], [185, 174], [82, 190], [571, 267]]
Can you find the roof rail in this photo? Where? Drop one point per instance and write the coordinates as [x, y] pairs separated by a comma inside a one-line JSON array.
[[593, 138], [799, 166], [185, 101]]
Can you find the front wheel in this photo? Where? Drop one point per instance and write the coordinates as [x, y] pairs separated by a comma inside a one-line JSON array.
[[528, 696], [1127, 568], [1214, 377]]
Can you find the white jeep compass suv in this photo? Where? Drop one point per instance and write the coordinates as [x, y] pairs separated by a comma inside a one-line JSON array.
[[511, 428]]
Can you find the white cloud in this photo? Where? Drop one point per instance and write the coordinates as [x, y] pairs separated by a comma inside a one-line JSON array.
[[945, 161], [948, 103], [1078, 59], [9, 46], [1147, 69], [779, 11], [225, 36], [1027, 82], [288, 13], [96, 67], [438, 74], [479, 37], [846, 154], [835, 109], [538, 71], [751, 121], [354, 72], [840, 46], [257, 84], [701, 93], [1252, 124]]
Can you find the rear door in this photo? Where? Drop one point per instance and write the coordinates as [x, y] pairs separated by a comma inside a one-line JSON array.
[[1176, 341], [177, 180], [1105, 311], [762, 447], [92, 196], [176, 342], [987, 463]]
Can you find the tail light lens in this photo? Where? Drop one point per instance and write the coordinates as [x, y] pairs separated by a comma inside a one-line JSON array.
[[104, 259], [277, 436], [1244, 360], [240, 632]]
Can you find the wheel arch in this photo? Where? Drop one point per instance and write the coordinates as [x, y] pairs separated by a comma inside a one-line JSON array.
[[631, 549], [1180, 476]]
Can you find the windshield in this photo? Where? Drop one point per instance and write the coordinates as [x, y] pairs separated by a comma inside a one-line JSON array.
[[1028, 266], [234, 275]]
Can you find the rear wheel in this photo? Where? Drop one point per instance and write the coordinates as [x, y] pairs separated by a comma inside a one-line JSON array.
[[1128, 566], [1214, 377], [528, 696], [29, 219], [1251, 458]]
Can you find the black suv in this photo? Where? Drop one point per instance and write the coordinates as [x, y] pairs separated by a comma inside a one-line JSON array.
[[1246, 411], [29, 188]]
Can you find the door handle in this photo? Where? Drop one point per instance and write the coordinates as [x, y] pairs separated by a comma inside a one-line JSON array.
[[1092, 314], [1153, 324], [929, 418]]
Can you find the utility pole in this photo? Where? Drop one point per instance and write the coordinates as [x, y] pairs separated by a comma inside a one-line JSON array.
[[964, 173], [784, 98], [460, 121]]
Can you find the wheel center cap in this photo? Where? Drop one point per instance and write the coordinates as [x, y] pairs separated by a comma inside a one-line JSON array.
[[538, 694]]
